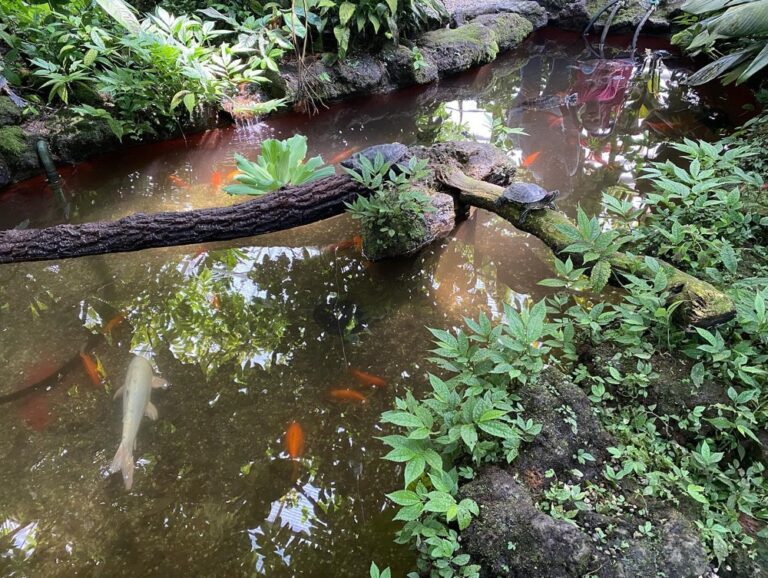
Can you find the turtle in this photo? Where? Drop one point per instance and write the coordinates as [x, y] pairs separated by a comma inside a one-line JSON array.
[[528, 197], [391, 153]]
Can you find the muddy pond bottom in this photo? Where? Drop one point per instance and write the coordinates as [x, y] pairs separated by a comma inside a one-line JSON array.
[[282, 351]]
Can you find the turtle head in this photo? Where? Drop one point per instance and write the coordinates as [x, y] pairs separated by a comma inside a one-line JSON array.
[[553, 195]]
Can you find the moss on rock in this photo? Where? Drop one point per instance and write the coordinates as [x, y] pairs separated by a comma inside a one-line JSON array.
[[10, 114], [13, 142]]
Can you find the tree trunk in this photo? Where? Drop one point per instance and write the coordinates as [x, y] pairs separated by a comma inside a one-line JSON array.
[[280, 210], [702, 304]]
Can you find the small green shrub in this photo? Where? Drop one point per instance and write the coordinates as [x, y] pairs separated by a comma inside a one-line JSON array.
[[472, 418], [394, 213], [280, 163]]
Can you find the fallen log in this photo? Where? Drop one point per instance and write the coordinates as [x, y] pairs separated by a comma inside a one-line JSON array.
[[702, 304], [284, 209]]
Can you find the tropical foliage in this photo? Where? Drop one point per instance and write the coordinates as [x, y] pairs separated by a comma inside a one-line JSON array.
[[734, 30], [280, 163]]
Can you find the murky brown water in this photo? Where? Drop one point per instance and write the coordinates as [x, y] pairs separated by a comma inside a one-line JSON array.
[[245, 333]]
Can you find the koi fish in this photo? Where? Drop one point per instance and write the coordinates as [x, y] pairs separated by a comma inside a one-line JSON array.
[[368, 379], [178, 181], [138, 385], [358, 242], [90, 368], [294, 440], [343, 155], [347, 395], [36, 412], [231, 175], [341, 246], [530, 159], [216, 179], [555, 121], [114, 322]]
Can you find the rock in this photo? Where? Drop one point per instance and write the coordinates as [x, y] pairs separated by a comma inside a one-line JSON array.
[[458, 49], [575, 15], [17, 148], [513, 538], [10, 114], [73, 141], [568, 424], [399, 61], [478, 160], [740, 565], [421, 231], [391, 153], [530, 10], [5, 173]]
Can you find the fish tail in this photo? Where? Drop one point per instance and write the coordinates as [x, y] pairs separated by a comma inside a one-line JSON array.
[[123, 461]]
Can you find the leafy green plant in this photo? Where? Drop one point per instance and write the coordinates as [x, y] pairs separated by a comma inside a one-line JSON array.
[[592, 243], [472, 418], [280, 163], [738, 29], [395, 210]]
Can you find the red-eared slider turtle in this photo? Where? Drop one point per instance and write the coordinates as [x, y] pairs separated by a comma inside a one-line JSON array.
[[528, 197], [391, 153]]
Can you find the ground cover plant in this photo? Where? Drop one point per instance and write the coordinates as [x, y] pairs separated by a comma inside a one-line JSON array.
[[705, 213]]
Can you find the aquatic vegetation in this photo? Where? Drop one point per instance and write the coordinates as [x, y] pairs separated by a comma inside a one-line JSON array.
[[735, 29], [280, 163]]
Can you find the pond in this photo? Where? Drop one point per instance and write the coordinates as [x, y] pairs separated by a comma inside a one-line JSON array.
[[260, 333]]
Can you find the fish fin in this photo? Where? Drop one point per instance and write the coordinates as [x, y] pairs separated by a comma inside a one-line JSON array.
[[158, 382], [123, 462], [151, 411], [119, 391]]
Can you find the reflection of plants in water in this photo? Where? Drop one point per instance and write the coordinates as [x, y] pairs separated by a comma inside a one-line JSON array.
[[207, 321], [438, 126]]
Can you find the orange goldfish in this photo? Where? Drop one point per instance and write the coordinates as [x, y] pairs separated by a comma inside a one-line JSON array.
[[114, 322], [347, 395], [555, 121], [294, 440], [530, 159], [358, 242], [90, 368], [368, 379], [216, 179], [178, 181], [231, 175], [345, 154]]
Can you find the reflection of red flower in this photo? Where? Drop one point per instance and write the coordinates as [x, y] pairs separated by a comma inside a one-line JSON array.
[[601, 89]]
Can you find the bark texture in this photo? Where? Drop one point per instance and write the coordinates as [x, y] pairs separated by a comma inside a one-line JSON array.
[[276, 211]]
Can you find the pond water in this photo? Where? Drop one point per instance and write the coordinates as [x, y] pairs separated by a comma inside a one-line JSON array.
[[255, 334]]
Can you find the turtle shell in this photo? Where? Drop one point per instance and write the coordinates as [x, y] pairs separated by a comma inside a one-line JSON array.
[[526, 194], [392, 153]]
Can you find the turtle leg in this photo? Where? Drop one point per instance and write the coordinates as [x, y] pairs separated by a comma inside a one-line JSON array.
[[552, 206], [523, 216]]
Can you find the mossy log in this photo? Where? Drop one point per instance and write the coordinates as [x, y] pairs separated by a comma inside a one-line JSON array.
[[702, 304]]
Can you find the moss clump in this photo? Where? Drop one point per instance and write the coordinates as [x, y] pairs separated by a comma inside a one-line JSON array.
[[411, 232], [9, 112], [13, 143]]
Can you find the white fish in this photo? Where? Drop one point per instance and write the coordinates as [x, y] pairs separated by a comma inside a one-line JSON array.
[[139, 382]]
